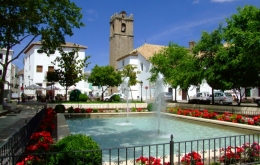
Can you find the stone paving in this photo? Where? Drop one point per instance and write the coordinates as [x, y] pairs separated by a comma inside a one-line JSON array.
[[10, 122]]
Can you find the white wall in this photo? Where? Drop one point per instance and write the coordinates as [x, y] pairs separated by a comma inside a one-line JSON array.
[[31, 76]]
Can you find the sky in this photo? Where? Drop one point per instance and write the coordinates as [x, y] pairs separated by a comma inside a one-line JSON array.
[[155, 22]]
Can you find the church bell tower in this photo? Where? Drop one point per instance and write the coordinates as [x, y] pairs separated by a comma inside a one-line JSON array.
[[121, 37]]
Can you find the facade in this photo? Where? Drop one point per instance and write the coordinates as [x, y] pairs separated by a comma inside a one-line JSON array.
[[140, 58], [21, 82], [37, 64], [14, 81], [9, 73]]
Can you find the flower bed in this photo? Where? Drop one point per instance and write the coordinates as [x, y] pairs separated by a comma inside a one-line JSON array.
[[101, 110], [207, 114], [41, 140]]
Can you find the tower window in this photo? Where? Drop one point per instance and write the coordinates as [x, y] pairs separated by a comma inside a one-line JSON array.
[[123, 27]]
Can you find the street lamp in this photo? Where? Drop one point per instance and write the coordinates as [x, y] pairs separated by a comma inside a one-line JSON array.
[[52, 87], [141, 83]]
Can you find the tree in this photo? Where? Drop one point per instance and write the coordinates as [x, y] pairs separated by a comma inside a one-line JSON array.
[[105, 76], [129, 71], [242, 55], [177, 65], [24, 21], [206, 52], [71, 70]]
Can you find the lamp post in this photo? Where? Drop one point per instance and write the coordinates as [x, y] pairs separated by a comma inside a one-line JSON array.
[[141, 83], [52, 94]]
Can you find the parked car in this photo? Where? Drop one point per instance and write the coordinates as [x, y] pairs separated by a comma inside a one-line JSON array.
[[200, 98], [222, 98], [167, 96], [108, 98], [257, 101]]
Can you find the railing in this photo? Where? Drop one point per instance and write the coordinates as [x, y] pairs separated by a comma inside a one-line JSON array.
[[205, 151], [16, 144]]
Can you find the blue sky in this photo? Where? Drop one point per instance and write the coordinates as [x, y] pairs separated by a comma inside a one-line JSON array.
[[155, 22]]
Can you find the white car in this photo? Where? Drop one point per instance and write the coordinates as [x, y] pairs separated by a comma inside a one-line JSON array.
[[108, 98], [223, 98], [200, 98]]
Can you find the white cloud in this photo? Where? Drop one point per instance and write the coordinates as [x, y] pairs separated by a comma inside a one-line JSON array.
[[185, 27], [221, 1], [91, 15]]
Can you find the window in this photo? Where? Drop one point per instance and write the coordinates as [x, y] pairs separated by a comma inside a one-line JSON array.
[[39, 68], [123, 27], [50, 68], [39, 51], [142, 66], [123, 62]]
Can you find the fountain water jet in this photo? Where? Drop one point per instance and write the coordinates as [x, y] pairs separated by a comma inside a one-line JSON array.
[[125, 86], [159, 101]]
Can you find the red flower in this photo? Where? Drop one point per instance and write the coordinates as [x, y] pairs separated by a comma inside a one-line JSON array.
[[89, 110], [191, 158]]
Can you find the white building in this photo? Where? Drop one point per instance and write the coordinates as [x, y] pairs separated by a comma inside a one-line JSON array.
[[37, 64], [9, 72], [139, 58]]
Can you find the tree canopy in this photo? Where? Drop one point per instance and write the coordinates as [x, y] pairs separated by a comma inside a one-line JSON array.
[[23, 21], [230, 54], [105, 76], [177, 65], [70, 69]]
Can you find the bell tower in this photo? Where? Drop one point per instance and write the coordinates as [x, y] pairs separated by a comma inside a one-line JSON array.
[[121, 37]]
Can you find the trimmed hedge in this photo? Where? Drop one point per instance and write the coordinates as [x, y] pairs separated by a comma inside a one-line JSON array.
[[59, 108], [71, 151]]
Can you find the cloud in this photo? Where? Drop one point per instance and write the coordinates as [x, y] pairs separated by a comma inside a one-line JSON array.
[[91, 15], [185, 27], [195, 1], [222, 1]]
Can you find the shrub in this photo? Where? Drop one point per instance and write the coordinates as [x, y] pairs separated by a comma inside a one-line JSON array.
[[115, 98], [83, 97], [133, 109], [77, 142], [70, 109], [150, 107], [95, 110], [59, 108], [82, 110]]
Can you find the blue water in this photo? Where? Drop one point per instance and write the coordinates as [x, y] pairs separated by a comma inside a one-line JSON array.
[[117, 132]]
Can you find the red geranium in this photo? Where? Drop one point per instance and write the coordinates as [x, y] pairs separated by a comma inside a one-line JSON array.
[[192, 158], [151, 161]]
